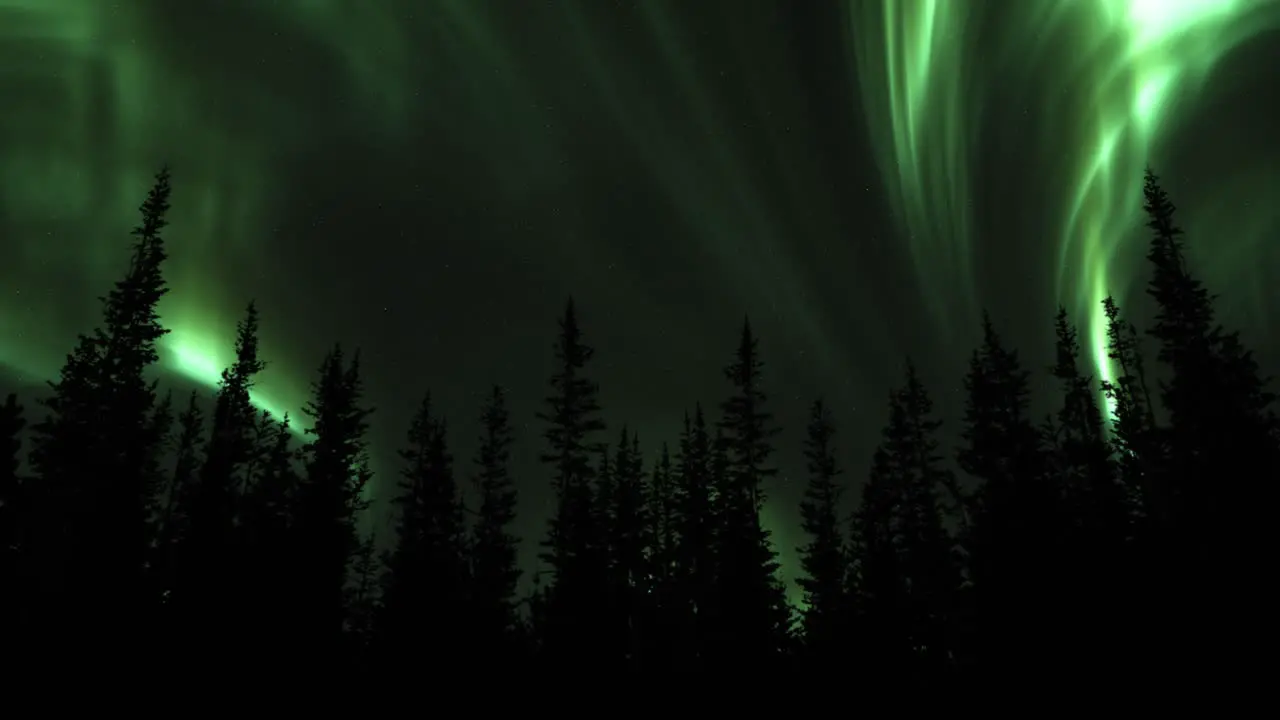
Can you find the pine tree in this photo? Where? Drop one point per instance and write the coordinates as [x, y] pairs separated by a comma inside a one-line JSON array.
[[12, 507], [927, 559], [1017, 521], [494, 551], [907, 582], [573, 548], [96, 454], [661, 501], [694, 568], [270, 570], [823, 558], [626, 533], [753, 622], [1097, 505], [14, 515], [662, 639], [327, 504], [425, 589], [1221, 441]]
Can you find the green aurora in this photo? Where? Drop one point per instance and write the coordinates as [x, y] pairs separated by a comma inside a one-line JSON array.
[[96, 95]]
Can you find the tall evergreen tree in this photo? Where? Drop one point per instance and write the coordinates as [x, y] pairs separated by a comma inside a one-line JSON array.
[[212, 596], [494, 549], [327, 505], [823, 557], [1017, 519], [1097, 504], [573, 548], [269, 568], [14, 513], [424, 596], [96, 453], [908, 582], [753, 618], [694, 564], [626, 536], [1222, 441]]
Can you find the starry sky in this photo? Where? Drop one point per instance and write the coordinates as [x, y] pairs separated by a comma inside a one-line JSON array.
[[429, 180]]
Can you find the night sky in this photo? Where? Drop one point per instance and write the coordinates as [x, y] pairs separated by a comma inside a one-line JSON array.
[[429, 180]]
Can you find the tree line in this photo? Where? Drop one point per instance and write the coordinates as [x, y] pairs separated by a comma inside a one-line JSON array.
[[1125, 531]]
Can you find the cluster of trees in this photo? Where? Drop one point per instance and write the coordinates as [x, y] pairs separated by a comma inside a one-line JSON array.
[[1110, 536]]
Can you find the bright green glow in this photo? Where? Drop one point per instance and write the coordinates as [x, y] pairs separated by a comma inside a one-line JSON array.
[[1131, 64], [116, 111]]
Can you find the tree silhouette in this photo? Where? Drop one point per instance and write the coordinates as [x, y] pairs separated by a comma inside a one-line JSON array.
[[212, 596], [494, 548], [908, 582], [96, 455], [326, 505], [823, 558], [694, 573], [1221, 441], [573, 548], [1016, 533], [424, 596], [626, 535], [752, 615], [15, 513]]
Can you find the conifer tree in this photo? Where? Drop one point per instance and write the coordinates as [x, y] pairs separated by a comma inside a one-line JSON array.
[[12, 507], [270, 570], [823, 558], [927, 559], [661, 501], [14, 515], [212, 594], [573, 548], [96, 452], [327, 504], [426, 584], [694, 571], [753, 618], [1221, 441], [663, 633], [626, 533], [1017, 520], [1097, 504], [907, 580], [494, 549]]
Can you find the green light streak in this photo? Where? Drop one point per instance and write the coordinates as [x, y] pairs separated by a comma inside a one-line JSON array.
[[1131, 64]]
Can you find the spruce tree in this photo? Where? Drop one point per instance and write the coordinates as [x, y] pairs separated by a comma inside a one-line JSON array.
[[1096, 502], [96, 454], [629, 569], [212, 596], [425, 589], [270, 571], [907, 582], [1017, 518], [823, 558], [662, 602], [753, 618], [12, 507], [573, 548], [1221, 440], [694, 563], [926, 548], [14, 516], [494, 549], [327, 504]]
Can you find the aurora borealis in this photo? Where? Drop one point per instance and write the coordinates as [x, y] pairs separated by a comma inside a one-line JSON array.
[[428, 180]]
